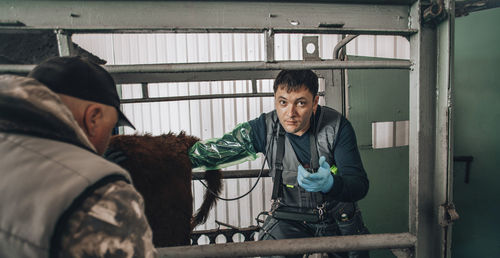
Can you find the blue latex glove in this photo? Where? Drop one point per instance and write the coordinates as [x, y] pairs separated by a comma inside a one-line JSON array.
[[322, 180]]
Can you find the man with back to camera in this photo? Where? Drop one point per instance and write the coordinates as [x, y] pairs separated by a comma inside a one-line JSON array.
[[58, 196], [313, 158]]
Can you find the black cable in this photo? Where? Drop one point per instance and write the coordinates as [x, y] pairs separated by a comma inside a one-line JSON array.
[[253, 187]]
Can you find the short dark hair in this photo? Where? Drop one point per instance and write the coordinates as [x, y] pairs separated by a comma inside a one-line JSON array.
[[292, 80]]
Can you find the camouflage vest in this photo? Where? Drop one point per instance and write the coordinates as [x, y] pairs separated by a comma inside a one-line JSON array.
[[326, 131], [40, 181]]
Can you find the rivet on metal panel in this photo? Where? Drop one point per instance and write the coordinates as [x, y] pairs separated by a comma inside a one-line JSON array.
[[310, 48]]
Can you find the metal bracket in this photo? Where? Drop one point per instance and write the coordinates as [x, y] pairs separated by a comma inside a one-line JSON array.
[[269, 45], [447, 214], [434, 14], [64, 43], [310, 48]]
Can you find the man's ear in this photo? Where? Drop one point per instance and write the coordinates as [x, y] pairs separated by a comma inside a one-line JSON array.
[[315, 103], [92, 117]]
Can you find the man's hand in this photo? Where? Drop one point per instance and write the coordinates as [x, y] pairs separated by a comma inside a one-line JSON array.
[[115, 156], [316, 182]]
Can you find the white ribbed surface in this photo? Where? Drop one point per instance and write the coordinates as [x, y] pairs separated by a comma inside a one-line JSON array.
[[211, 118]]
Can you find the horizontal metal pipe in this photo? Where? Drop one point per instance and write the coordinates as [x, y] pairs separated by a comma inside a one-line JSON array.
[[359, 31], [15, 69], [256, 65], [227, 174], [233, 66], [295, 246], [198, 97]]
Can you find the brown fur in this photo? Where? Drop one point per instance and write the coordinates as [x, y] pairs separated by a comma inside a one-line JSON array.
[[161, 172]]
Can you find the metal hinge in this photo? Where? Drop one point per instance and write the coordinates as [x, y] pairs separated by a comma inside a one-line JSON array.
[[447, 214]]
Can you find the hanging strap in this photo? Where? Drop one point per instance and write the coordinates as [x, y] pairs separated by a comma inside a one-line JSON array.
[[278, 162], [313, 141], [314, 152]]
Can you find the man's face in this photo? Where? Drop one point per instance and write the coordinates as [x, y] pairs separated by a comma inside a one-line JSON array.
[[295, 109], [103, 131]]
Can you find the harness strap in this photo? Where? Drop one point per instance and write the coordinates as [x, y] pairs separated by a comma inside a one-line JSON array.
[[314, 152], [278, 162]]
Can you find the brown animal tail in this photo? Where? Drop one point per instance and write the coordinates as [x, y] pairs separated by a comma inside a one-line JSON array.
[[214, 183]]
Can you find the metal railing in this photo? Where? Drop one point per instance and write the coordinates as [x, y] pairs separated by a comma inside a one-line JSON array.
[[295, 246]]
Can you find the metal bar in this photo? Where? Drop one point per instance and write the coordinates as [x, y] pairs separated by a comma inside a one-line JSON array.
[[134, 78], [443, 175], [421, 136], [228, 174], [16, 69], [358, 31], [233, 66], [341, 44], [211, 16], [128, 78], [64, 43], [254, 86], [294, 246], [145, 90], [429, 139], [198, 97], [269, 45], [258, 66]]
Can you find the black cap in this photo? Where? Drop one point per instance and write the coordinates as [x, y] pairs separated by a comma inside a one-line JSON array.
[[80, 78]]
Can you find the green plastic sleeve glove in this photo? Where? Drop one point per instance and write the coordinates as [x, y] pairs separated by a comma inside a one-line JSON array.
[[233, 148]]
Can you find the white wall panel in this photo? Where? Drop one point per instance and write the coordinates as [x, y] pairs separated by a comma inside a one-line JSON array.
[[211, 118]]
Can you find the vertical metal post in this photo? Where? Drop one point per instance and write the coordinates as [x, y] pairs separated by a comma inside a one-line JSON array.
[[335, 92], [269, 45], [444, 149], [254, 86], [64, 43], [145, 91], [430, 148], [422, 219]]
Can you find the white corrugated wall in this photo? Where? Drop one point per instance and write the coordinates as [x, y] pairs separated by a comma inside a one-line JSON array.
[[211, 118]]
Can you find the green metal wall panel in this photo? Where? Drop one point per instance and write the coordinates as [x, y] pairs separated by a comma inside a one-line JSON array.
[[476, 125], [381, 95]]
